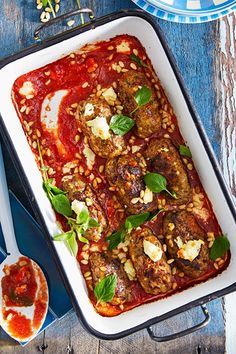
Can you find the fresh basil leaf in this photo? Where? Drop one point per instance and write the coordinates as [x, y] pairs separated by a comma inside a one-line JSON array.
[[73, 245], [82, 239], [93, 223], [185, 151], [44, 2], [143, 96], [220, 246], [50, 187], [64, 236], [157, 183], [105, 290], [115, 239], [62, 204], [133, 221], [83, 216], [138, 60], [154, 215], [120, 124]]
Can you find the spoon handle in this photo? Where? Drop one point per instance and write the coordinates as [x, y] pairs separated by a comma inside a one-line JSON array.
[[5, 212]]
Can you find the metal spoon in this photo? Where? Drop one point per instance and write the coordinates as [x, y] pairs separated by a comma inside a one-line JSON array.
[[21, 320]]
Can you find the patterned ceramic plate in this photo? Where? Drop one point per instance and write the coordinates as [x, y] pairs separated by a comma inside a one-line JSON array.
[[187, 11]]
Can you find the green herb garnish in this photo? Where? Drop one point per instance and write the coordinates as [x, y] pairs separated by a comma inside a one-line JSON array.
[[220, 246], [115, 239], [49, 3], [138, 60], [105, 290], [157, 183], [73, 245], [153, 216], [78, 227], [131, 222], [57, 197], [120, 124], [185, 151], [60, 202], [142, 97]]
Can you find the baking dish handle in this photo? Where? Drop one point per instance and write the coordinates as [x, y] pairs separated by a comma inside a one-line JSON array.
[[63, 17], [185, 331]]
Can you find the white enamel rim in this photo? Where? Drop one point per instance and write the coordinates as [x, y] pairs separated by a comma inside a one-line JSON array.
[[143, 30]]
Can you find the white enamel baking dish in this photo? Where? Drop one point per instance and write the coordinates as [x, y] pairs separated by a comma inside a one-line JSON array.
[[140, 25]]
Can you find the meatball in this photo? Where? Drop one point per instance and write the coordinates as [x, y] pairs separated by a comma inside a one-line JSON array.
[[77, 189], [126, 173], [163, 158], [180, 229], [147, 117], [154, 276], [102, 265], [94, 116]]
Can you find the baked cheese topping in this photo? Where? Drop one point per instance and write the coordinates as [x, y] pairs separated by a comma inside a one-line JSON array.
[[148, 196], [88, 109], [77, 206], [100, 128], [123, 47], [90, 156], [188, 250], [27, 89], [109, 95], [152, 251], [129, 269]]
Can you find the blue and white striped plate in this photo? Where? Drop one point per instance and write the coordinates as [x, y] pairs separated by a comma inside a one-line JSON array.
[[187, 11]]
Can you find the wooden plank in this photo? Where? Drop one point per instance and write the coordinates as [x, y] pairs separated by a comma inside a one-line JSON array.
[[57, 339], [225, 74]]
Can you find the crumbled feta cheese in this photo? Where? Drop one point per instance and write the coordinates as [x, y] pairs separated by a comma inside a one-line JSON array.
[[179, 242], [77, 206], [123, 47], [129, 269], [27, 89], [90, 156], [88, 109], [188, 250], [100, 128], [135, 148], [152, 251], [148, 196], [109, 95]]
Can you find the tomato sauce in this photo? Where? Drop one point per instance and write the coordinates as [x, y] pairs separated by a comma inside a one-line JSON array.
[[89, 71], [19, 284], [19, 326], [20, 289]]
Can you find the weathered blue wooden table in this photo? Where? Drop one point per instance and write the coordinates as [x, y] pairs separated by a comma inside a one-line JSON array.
[[206, 56]]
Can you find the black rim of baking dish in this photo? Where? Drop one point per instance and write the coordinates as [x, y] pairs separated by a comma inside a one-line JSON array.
[[7, 140]]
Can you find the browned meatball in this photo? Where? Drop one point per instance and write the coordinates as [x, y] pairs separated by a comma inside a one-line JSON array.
[[154, 277], [102, 265], [163, 158], [147, 117], [179, 228], [126, 173], [104, 143], [77, 189]]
